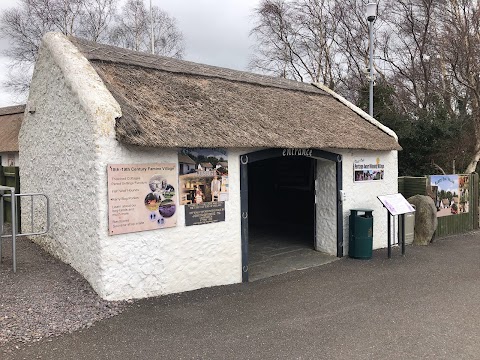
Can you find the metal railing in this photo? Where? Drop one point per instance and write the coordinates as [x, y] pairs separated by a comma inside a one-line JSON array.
[[15, 232]]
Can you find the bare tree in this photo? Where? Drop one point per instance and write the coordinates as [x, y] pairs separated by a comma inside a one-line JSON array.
[[460, 43], [132, 30], [168, 40], [96, 19], [353, 43], [24, 26], [93, 20], [296, 40], [409, 48], [314, 40]]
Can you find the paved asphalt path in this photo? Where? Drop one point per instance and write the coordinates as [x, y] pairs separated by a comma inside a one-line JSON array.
[[425, 305]]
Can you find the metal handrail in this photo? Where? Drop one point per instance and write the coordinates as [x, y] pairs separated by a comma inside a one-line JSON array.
[[31, 215], [15, 233]]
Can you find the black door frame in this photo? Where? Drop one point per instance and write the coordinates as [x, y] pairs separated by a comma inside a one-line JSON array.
[[275, 153]]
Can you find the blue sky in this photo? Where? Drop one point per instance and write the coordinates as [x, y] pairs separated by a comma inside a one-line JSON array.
[[445, 182]]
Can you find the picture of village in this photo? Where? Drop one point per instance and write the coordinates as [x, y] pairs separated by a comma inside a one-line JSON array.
[[368, 169], [450, 194], [203, 176]]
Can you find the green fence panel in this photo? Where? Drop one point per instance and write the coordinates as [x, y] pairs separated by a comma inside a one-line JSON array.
[[409, 186], [10, 176]]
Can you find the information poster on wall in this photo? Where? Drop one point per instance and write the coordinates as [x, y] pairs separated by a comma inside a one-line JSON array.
[[368, 169], [203, 175], [141, 197], [203, 180], [450, 194]]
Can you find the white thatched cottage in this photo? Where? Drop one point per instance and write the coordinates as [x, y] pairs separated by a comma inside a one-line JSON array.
[[104, 132]]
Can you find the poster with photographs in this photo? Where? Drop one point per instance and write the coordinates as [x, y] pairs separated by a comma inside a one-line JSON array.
[[141, 197], [450, 194], [203, 178], [203, 175], [368, 169]]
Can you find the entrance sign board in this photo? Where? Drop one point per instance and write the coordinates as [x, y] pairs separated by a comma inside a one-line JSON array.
[[141, 197], [396, 204], [450, 194], [205, 213], [297, 152], [368, 169]]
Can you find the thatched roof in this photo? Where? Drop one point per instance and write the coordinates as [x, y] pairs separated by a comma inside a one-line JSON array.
[[10, 122], [185, 159], [172, 103]]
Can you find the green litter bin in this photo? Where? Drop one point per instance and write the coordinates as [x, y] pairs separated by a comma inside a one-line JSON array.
[[360, 241]]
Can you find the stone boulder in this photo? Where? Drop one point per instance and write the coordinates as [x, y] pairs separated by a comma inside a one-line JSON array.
[[425, 219]]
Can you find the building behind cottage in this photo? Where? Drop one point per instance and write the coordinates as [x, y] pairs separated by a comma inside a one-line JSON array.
[[10, 122]]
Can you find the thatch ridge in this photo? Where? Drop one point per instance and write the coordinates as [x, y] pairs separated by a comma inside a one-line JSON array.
[[110, 54]]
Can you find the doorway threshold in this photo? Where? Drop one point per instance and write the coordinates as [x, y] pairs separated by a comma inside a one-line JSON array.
[[274, 255]]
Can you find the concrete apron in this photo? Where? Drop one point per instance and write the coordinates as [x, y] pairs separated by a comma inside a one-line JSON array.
[[276, 250]]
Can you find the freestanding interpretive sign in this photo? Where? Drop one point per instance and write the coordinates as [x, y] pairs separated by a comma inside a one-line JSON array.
[[395, 204], [141, 197]]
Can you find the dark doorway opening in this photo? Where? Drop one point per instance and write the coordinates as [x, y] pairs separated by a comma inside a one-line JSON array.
[[281, 208]]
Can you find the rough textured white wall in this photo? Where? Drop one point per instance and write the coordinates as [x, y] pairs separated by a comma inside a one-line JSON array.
[[326, 207], [57, 157], [170, 260], [364, 194]]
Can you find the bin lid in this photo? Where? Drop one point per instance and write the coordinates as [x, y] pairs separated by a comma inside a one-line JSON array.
[[369, 210]]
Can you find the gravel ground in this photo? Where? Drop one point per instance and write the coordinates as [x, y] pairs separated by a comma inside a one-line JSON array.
[[45, 297]]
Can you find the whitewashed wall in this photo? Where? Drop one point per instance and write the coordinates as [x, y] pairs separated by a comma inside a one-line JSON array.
[[58, 158], [357, 195], [175, 259], [364, 194], [326, 240]]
